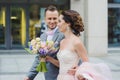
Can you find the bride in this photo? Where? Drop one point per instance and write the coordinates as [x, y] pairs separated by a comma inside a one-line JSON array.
[[71, 49]]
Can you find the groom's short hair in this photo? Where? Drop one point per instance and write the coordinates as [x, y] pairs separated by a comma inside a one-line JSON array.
[[51, 8]]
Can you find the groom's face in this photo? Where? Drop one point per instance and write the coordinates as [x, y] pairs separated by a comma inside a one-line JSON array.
[[51, 18]]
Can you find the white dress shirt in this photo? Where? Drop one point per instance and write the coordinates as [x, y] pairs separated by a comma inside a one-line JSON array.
[[51, 34]]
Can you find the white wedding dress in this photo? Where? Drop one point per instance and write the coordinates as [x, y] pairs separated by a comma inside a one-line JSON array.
[[91, 71], [67, 60]]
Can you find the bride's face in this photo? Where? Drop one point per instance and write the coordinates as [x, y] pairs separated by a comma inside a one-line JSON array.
[[62, 25]]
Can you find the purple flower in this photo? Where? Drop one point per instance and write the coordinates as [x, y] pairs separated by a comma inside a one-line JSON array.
[[42, 51], [30, 47]]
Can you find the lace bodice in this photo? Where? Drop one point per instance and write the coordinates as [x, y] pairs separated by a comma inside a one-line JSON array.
[[67, 60]]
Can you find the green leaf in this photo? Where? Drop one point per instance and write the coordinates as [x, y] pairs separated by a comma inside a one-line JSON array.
[[28, 50]]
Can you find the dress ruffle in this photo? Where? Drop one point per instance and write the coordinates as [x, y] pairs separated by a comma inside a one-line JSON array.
[[93, 71]]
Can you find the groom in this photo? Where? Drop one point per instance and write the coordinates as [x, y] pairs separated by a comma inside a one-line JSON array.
[[51, 19]]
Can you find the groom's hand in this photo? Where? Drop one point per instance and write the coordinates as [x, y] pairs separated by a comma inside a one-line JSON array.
[[49, 58], [73, 70]]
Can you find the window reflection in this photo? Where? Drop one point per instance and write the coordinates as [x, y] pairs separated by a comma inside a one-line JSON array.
[[34, 21], [114, 26], [2, 26]]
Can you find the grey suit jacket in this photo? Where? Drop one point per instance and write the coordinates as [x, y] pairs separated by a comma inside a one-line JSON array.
[[52, 69]]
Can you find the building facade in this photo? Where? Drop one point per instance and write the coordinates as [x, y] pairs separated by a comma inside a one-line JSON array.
[[101, 19], [20, 20]]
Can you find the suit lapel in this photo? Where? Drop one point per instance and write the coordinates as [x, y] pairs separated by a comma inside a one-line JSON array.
[[55, 35], [44, 37]]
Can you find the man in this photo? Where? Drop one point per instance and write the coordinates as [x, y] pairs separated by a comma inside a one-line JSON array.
[[51, 19]]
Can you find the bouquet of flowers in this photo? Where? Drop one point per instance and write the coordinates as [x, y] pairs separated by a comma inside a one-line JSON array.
[[43, 49]]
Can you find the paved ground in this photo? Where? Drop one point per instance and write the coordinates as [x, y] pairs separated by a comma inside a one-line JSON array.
[[14, 64]]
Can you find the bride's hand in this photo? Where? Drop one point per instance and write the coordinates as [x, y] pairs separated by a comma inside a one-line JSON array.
[[73, 70]]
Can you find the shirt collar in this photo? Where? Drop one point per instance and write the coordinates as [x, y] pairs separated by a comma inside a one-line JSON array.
[[51, 32]]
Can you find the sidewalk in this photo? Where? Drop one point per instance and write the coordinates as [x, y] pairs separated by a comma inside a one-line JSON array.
[[14, 64]]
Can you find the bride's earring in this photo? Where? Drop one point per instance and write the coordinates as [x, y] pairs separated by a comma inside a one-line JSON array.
[[67, 28]]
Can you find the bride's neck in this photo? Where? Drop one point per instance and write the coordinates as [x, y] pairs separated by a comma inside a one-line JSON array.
[[68, 34]]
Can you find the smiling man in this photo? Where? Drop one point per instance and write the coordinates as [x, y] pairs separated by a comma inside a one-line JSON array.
[[52, 34]]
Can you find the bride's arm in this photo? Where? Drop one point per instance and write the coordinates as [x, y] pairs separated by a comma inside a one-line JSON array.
[[52, 60], [81, 51]]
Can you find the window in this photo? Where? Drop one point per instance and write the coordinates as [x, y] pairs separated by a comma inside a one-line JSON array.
[[114, 25], [113, 1]]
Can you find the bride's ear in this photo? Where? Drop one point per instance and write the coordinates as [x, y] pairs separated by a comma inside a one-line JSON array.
[[69, 24]]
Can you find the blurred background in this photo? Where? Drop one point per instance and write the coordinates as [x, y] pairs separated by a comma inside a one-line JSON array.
[[21, 21]]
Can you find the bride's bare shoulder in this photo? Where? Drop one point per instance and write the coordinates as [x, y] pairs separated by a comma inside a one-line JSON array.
[[77, 41]]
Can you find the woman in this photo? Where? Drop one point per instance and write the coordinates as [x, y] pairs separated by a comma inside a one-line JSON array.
[[72, 50], [71, 47]]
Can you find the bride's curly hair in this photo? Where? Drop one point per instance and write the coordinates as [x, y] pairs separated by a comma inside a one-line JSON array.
[[75, 20]]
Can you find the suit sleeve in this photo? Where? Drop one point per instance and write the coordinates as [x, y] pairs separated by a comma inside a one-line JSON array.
[[32, 72], [43, 37]]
